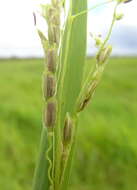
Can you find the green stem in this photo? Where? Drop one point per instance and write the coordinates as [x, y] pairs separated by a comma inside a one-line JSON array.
[[110, 29], [50, 158], [41, 180], [92, 8]]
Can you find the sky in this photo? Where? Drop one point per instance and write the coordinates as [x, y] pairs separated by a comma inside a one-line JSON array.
[[18, 36]]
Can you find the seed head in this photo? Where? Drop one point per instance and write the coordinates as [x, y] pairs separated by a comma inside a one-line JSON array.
[[51, 60], [119, 16], [98, 41], [88, 96], [50, 115], [67, 130], [49, 86], [104, 54]]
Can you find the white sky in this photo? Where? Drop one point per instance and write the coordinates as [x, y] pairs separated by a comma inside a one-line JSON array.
[[18, 35]]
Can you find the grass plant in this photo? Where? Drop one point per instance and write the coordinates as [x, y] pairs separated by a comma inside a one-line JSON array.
[[66, 91]]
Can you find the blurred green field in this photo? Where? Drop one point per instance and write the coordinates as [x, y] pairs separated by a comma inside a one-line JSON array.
[[106, 153]]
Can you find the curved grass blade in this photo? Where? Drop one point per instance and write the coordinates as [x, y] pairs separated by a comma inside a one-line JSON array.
[[72, 63], [72, 59]]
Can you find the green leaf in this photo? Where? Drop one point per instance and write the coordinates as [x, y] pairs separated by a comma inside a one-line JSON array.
[[72, 59], [72, 63]]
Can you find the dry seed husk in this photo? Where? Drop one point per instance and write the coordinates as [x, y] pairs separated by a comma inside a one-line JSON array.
[[49, 86], [51, 60], [50, 114], [88, 96], [67, 133], [104, 54]]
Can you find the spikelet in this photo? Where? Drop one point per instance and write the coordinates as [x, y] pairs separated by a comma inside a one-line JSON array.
[[50, 114], [88, 96], [49, 87], [51, 60], [67, 132], [104, 54]]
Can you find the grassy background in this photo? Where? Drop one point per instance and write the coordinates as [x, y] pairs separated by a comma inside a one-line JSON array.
[[106, 156]]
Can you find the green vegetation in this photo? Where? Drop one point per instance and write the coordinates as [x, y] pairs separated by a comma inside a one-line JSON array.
[[106, 151], [66, 90], [62, 66]]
